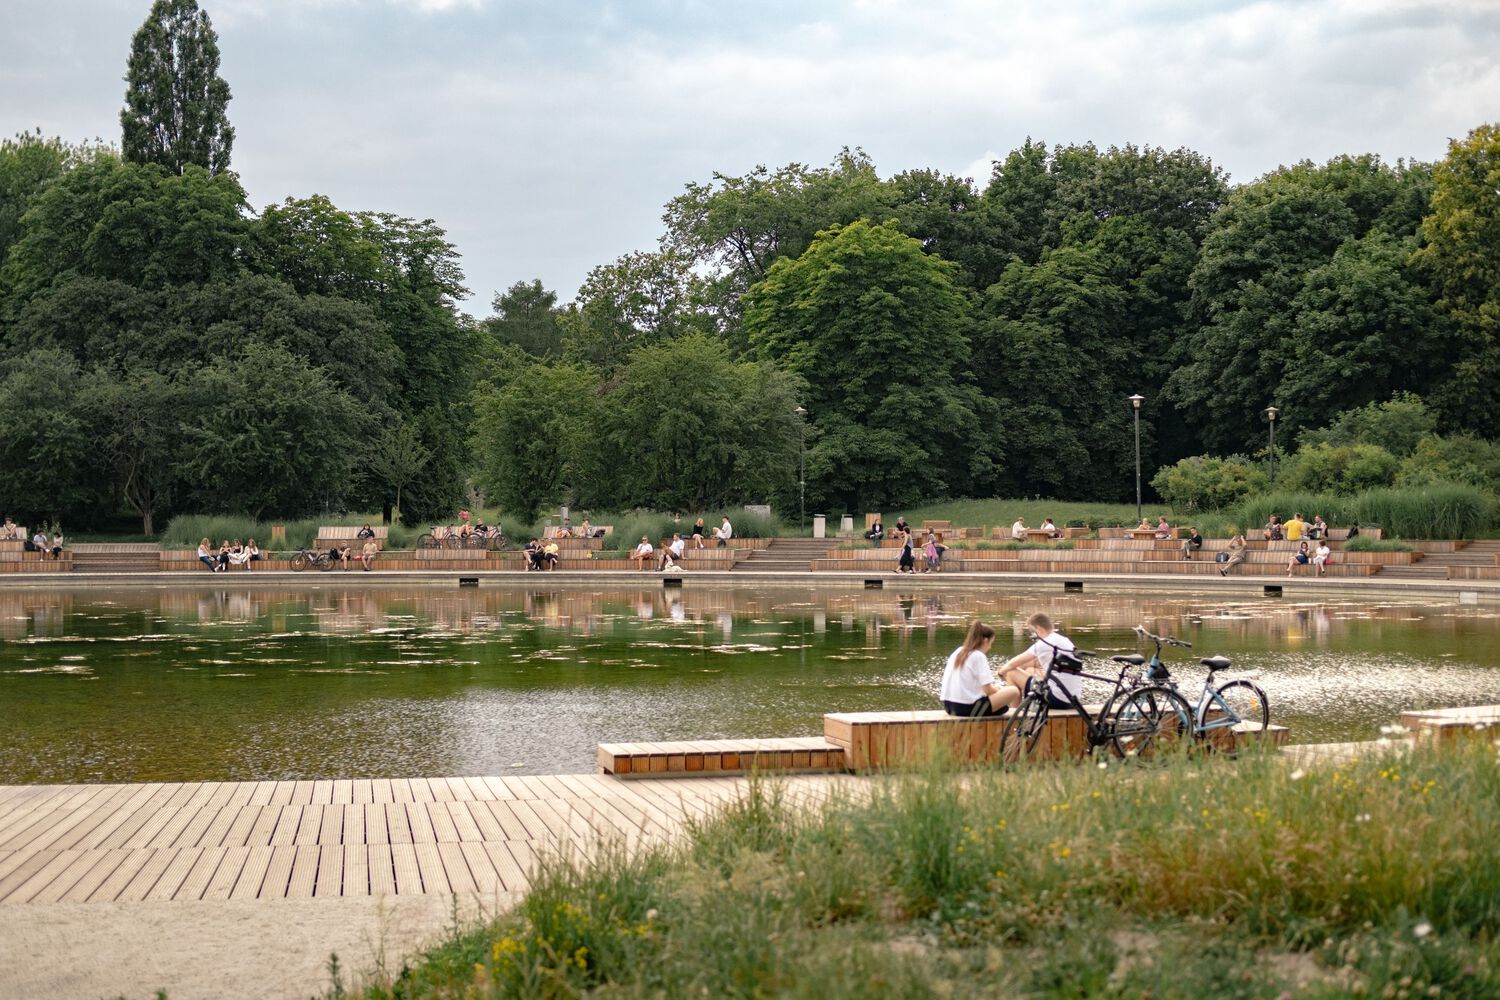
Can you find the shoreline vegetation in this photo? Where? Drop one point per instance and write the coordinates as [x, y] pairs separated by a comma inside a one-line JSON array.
[[1458, 512], [1202, 877]]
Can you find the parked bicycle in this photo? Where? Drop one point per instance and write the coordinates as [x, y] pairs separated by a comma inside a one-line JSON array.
[[1135, 718], [447, 537], [1220, 708], [304, 558]]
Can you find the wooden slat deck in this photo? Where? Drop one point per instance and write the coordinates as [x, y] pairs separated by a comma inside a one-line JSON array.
[[371, 837], [1443, 723]]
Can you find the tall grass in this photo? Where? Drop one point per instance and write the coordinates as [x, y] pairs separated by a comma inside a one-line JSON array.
[[1442, 510], [1245, 878]]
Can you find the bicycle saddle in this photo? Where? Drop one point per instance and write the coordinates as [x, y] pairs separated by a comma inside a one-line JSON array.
[[1215, 662], [1134, 659]]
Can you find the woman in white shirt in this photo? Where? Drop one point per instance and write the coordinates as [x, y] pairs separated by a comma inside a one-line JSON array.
[[969, 687]]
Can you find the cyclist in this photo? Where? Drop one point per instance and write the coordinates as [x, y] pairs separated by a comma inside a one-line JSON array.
[[1030, 666], [969, 687]]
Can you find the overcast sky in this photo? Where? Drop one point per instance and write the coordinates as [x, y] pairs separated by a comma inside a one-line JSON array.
[[546, 137]]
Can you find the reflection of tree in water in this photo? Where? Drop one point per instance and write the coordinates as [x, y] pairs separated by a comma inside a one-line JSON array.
[[361, 610]]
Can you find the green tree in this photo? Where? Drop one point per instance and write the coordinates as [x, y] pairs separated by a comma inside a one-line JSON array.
[[538, 435], [45, 448], [641, 298], [878, 331], [1347, 468], [28, 163], [1397, 425], [1461, 235], [176, 103], [271, 435], [1454, 458], [526, 315], [728, 432], [135, 420], [394, 461]]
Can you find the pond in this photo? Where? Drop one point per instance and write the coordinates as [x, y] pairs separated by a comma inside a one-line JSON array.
[[221, 683]]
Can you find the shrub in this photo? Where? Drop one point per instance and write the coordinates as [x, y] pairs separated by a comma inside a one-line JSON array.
[[1342, 468], [1364, 543], [1206, 483], [1457, 459], [1395, 425]]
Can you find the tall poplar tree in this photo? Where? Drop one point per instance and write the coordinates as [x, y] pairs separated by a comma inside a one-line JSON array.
[[175, 100]]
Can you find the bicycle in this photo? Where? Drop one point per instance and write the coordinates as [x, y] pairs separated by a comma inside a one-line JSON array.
[[1218, 709], [1134, 717], [440, 537], [304, 558]]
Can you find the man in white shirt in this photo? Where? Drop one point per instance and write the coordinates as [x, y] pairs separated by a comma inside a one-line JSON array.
[[1018, 530], [1031, 665], [725, 532], [642, 553], [672, 554]]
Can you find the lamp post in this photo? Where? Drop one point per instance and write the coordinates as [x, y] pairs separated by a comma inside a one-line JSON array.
[[802, 465], [1135, 404], [1271, 412]]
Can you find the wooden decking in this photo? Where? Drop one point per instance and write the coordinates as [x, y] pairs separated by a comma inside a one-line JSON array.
[[700, 758], [286, 839]]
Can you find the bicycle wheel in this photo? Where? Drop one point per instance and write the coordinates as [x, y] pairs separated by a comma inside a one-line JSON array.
[[426, 541], [499, 543], [1245, 701], [452, 542], [1023, 729], [299, 562], [1147, 720], [325, 562]]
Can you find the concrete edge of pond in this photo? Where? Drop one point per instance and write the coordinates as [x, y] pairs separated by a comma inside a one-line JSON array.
[[1296, 588]]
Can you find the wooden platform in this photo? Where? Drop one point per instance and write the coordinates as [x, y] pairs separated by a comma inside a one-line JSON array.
[[705, 758], [280, 839], [1452, 723]]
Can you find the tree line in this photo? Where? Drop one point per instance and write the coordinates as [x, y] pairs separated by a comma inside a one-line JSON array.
[[875, 340]]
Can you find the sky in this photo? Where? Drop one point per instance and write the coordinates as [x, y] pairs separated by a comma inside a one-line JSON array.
[[546, 137]]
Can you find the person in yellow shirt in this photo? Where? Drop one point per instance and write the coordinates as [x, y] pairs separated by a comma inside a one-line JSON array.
[[1295, 527]]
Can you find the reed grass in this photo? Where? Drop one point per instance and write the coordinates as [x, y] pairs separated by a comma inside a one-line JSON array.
[[1212, 878]]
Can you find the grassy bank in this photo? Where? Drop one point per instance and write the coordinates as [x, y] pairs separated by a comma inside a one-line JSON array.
[[1224, 879]]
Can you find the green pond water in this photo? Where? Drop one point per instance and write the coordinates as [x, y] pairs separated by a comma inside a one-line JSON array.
[[328, 681]]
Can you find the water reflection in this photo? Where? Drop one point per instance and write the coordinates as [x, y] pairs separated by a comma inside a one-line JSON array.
[[225, 682]]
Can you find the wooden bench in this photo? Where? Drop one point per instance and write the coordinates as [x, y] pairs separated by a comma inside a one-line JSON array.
[[937, 525], [339, 535], [716, 758], [554, 531], [873, 740], [1446, 724], [1474, 572]]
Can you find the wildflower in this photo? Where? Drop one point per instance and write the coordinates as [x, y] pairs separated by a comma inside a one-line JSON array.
[[1422, 930], [1103, 764], [651, 913], [1298, 774], [1362, 818]]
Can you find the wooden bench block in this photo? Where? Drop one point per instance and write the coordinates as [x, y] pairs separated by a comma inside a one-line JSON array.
[[714, 758]]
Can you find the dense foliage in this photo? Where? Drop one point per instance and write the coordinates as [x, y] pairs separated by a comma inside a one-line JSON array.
[[802, 332]]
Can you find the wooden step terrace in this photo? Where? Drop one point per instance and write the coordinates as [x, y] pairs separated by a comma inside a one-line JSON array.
[[718, 758], [1444, 724]]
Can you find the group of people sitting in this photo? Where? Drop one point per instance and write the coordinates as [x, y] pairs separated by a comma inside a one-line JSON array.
[[11, 532], [1296, 528], [229, 553], [344, 554], [971, 687], [539, 556], [584, 530], [1018, 530]]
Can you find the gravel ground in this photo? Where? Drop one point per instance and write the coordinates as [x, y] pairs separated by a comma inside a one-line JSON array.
[[269, 949]]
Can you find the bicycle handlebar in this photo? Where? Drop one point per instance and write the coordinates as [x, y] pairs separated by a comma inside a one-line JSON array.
[[1162, 639]]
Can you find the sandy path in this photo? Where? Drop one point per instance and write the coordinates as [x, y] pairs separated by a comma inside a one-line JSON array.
[[218, 949]]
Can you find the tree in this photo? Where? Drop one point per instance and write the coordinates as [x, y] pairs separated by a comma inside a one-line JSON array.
[[45, 449], [1461, 235], [395, 460], [537, 434], [28, 163], [271, 435], [526, 315], [641, 298], [136, 419], [176, 103], [1203, 482], [878, 331], [1397, 425], [729, 435]]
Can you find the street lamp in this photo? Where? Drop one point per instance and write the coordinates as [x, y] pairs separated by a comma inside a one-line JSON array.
[[1271, 412], [1135, 403], [802, 465]]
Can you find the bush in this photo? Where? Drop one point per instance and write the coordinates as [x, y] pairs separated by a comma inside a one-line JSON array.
[[1341, 468], [1457, 459], [1365, 543], [1206, 483], [1395, 425]]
